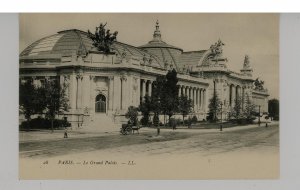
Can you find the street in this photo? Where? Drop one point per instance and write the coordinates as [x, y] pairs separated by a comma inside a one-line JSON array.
[[257, 139]]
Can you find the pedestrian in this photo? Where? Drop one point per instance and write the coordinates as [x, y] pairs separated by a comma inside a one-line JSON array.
[[66, 133]]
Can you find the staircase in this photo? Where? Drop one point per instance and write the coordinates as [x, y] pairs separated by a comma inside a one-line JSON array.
[[101, 123]]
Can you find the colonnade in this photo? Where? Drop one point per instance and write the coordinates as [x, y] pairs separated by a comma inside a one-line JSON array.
[[236, 93], [197, 95], [146, 87]]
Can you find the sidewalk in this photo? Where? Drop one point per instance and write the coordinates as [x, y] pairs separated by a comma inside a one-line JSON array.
[[215, 130], [45, 135]]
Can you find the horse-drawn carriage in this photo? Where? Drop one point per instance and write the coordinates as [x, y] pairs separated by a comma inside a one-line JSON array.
[[129, 129]]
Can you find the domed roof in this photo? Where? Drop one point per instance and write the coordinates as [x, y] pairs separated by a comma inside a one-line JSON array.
[[168, 54], [76, 42], [64, 43]]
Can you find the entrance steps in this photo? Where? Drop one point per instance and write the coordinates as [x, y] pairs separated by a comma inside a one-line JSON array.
[[101, 123]]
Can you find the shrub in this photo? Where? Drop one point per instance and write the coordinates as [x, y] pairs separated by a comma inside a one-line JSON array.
[[189, 122], [43, 123], [156, 120], [172, 123], [194, 119]]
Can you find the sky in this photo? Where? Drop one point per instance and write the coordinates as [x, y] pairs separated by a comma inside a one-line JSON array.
[[256, 35]]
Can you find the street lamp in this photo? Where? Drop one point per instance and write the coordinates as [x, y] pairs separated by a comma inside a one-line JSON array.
[[221, 127]]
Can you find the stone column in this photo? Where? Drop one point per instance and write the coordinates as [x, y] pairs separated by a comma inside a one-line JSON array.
[[110, 92], [188, 92], [124, 90], [204, 100], [117, 93], [92, 94], [129, 91], [243, 97], [143, 88], [179, 90], [150, 88], [233, 97], [72, 91], [197, 98], [85, 92], [138, 91], [79, 91], [194, 98], [200, 99]]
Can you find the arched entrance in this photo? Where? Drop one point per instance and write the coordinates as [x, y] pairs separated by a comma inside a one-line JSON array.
[[100, 104]]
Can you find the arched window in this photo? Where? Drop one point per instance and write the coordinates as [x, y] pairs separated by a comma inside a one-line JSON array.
[[100, 104]]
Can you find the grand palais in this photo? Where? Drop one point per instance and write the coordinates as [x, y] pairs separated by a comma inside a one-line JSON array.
[[101, 86]]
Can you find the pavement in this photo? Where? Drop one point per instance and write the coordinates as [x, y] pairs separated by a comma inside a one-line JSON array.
[[47, 135]]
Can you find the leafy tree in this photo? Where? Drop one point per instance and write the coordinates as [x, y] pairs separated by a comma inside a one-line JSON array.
[[214, 107], [170, 94], [157, 97], [103, 39], [184, 106], [55, 98], [132, 115], [249, 109], [237, 112], [273, 109], [145, 108], [30, 99]]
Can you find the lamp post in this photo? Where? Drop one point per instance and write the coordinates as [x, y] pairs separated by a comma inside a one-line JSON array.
[[221, 127], [259, 115]]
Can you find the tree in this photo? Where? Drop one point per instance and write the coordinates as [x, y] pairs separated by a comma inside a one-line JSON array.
[[157, 97], [237, 111], [214, 107], [249, 110], [103, 39], [55, 98], [145, 108], [170, 94], [132, 115], [273, 108], [30, 99], [184, 106]]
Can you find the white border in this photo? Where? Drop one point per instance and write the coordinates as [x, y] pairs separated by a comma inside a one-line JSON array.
[[289, 127], [150, 6]]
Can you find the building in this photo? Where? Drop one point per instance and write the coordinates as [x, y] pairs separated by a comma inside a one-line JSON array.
[[102, 86]]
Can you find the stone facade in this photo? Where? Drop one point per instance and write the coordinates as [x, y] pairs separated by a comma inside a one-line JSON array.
[[102, 87]]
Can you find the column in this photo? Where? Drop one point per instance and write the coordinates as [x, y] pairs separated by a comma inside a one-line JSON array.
[[150, 88], [204, 100], [110, 92], [73, 94], [200, 99], [138, 91], [85, 92], [129, 92], [194, 98], [79, 91], [143, 88], [123, 91], [188, 92], [243, 97], [92, 94], [197, 98], [117, 93], [233, 97]]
